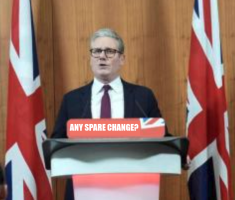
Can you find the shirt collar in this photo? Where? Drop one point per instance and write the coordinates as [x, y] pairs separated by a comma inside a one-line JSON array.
[[116, 85]]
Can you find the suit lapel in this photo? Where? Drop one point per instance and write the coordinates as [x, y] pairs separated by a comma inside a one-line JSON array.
[[86, 101], [129, 99]]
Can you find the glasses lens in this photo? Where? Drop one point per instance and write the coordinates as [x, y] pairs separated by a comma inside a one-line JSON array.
[[96, 52], [109, 53]]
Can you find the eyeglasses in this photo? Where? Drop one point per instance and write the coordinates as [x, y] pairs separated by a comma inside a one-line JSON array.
[[109, 53]]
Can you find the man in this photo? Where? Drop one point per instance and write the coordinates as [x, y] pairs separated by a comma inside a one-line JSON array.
[[107, 96], [127, 100]]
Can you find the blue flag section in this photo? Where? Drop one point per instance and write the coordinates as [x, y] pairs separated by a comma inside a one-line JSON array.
[[206, 177]]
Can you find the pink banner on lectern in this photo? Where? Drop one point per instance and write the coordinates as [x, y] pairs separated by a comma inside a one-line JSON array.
[[116, 128], [116, 186]]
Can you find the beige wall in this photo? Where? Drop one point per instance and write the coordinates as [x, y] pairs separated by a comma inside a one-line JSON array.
[[157, 37]]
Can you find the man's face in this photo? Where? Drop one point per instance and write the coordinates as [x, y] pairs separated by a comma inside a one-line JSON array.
[[106, 69]]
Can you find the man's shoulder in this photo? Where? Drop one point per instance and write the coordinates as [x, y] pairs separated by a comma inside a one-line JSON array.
[[135, 87], [79, 91]]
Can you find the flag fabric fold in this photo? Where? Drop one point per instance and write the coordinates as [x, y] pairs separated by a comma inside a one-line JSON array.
[[25, 170], [209, 177]]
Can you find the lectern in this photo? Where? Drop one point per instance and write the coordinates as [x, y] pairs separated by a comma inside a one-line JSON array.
[[115, 168]]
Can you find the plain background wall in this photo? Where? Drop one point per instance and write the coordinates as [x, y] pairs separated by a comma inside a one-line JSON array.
[[157, 37]]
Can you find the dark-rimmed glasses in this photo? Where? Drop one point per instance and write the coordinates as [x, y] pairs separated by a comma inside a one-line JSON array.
[[109, 53]]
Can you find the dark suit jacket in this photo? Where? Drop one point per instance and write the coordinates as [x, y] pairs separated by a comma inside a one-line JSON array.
[[139, 102]]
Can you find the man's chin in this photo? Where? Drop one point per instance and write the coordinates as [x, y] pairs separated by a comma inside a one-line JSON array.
[[106, 78], [104, 74]]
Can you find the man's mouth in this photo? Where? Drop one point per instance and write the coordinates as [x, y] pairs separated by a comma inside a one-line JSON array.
[[102, 64]]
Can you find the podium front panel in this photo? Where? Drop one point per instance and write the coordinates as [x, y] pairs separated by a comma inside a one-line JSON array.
[[115, 158]]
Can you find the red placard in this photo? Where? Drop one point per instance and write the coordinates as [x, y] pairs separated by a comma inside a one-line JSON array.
[[116, 128]]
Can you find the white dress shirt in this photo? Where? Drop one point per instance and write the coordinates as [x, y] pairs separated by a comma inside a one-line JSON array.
[[116, 95]]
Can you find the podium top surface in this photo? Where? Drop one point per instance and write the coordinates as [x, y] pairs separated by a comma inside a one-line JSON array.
[[180, 144]]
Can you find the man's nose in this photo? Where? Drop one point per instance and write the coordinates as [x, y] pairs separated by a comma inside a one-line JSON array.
[[102, 54]]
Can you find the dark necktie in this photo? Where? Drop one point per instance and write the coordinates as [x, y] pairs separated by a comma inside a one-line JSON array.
[[105, 103]]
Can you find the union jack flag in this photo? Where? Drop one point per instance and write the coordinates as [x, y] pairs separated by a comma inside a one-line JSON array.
[[207, 120], [146, 123], [26, 176]]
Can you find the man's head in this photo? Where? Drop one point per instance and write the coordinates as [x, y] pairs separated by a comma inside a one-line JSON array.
[[107, 54]]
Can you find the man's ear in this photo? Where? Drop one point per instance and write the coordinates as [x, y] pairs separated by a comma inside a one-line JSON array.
[[123, 58]]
